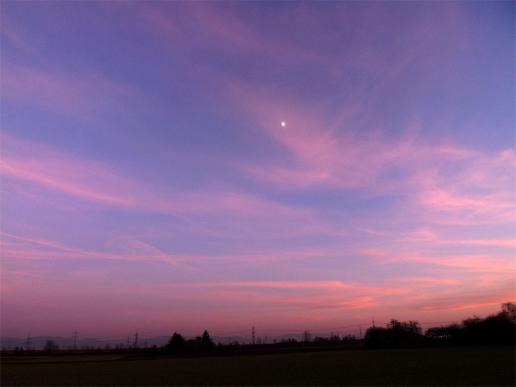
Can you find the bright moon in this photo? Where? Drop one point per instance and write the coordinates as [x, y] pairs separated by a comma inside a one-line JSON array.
[[283, 123]]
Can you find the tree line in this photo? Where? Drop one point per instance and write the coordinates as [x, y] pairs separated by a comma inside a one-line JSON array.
[[179, 345], [495, 329]]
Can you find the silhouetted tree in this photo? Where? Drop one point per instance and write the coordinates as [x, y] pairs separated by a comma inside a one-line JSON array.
[[376, 337], [509, 309], [396, 334], [206, 341], [50, 346], [348, 339], [409, 328], [177, 344], [495, 329]]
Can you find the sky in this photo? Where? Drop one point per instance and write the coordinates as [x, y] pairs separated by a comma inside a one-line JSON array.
[[173, 166]]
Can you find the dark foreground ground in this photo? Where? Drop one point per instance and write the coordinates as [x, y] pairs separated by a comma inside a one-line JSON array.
[[489, 366]]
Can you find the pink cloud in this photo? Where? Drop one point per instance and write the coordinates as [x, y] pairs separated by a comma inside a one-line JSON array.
[[272, 305], [14, 37], [477, 263], [61, 92], [434, 197], [318, 152], [20, 247], [281, 284], [97, 182], [441, 183], [477, 301], [323, 152], [478, 192], [208, 27]]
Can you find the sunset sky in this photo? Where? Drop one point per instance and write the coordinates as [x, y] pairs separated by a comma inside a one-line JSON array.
[[147, 181]]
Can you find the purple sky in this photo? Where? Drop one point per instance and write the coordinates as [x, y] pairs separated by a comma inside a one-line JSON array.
[[147, 181]]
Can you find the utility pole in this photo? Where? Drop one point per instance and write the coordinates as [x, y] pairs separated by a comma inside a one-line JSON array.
[[360, 332], [75, 340], [128, 340], [136, 340], [253, 335], [373, 323]]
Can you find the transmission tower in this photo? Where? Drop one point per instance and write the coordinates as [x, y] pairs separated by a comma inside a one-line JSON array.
[[136, 340], [28, 342]]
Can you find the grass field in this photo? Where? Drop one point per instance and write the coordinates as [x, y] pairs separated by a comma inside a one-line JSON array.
[[433, 366]]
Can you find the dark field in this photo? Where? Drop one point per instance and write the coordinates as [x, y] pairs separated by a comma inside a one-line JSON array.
[[432, 366]]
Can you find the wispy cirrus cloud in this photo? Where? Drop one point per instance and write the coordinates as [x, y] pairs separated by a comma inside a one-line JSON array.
[[63, 92], [189, 204], [21, 247], [443, 182], [99, 183]]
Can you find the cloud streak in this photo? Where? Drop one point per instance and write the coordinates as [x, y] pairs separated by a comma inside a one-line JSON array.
[[144, 165]]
